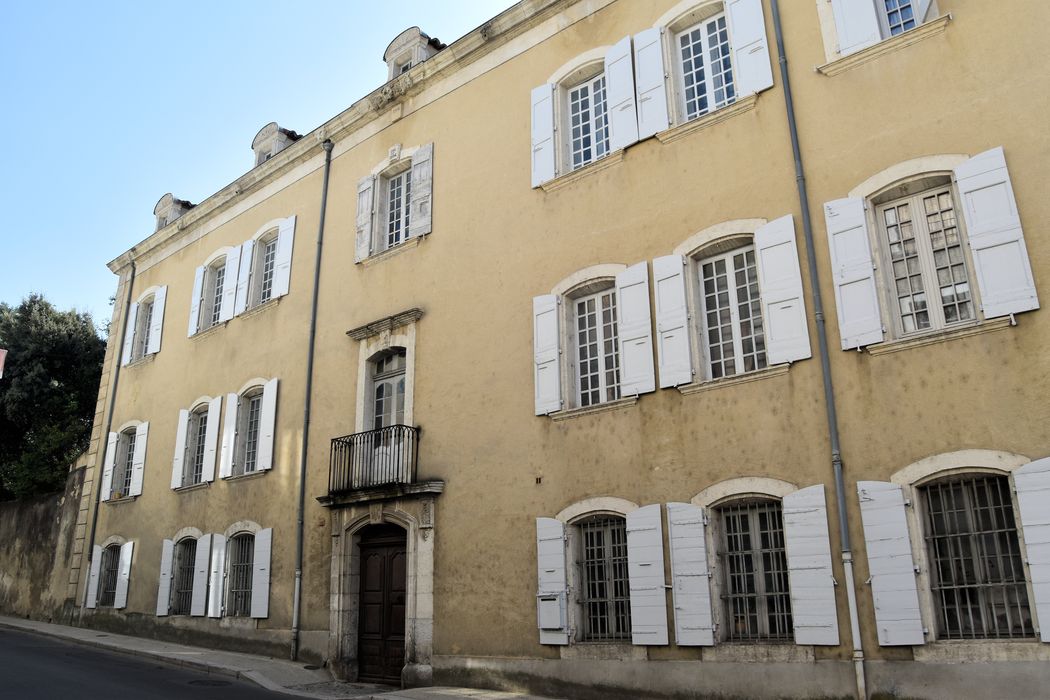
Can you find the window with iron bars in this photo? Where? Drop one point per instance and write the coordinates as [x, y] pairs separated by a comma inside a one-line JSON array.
[[182, 578], [239, 586], [977, 576], [755, 593], [107, 585], [606, 596]]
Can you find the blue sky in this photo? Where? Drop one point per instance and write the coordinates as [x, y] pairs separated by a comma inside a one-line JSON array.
[[107, 106]]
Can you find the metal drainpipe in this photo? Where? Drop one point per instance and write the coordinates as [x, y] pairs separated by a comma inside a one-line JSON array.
[[105, 433], [297, 596], [825, 364]]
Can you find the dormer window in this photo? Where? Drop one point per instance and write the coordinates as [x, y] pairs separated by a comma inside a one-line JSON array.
[[410, 48], [169, 208], [270, 141]]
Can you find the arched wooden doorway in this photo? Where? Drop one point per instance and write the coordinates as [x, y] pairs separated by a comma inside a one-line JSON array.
[[381, 624]]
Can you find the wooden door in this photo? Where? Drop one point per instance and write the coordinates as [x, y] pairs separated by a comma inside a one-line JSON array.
[[381, 625]]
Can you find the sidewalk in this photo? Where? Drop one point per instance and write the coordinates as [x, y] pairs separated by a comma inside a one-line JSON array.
[[277, 675]]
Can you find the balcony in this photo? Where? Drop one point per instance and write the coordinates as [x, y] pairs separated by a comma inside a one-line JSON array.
[[372, 459]]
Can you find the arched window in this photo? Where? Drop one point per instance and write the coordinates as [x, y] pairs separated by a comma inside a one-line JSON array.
[[240, 558], [107, 587], [388, 388], [182, 578], [211, 300], [145, 322], [124, 463], [196, 444], [595, 344], [249, 424], [605, 592], [264, 266], [702, 60], [731, 328]]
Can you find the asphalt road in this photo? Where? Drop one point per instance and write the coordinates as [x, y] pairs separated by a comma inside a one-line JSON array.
[[34, 667]]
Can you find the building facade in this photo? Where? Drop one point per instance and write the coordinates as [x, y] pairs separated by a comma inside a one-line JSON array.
[[512, 373]]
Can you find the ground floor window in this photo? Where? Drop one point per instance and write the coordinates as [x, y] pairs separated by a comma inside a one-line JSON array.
[[976, 574], [107, 587], [241, 555], [755, 596], [606, 596], [182, 589]]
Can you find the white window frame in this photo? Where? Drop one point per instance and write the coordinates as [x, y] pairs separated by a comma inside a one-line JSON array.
[[709, 256], [934, 468], [830, 31], [712, 14], [399, 174], [400, 337], [122, 467], [591, 77], [196, 431], [243, 442], [143, 320], [257, 290], [597, 292]]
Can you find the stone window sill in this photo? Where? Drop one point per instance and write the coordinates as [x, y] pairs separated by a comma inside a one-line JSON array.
[[742, 105], [192, 487], [841, 65], [121, 501], [412, 242], [592, 410], [249, 475], [144, 360], [614, 158], [711, 384], [260, 308], [891, 346], [209, 330]]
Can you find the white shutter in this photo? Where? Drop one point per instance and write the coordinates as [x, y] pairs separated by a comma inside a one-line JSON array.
[[365, 205], [690, 576], [810, 578], [922, 8], [747, 37], [167, 550], [645, 573], [267, 423], [195, 301], [650, 78], [229, 288], [261, 573], [107, 468], [216, 574], [672, 321], [853, 271], [619, 95], [551, 586], [129, 334], [138, 460], [180, 449], [229, 436], [96, 563], [156, 326], [894, 590], [244, 277], [1032, 483], [856, 23], [546, 343], [120, 597], [635, 328], [422, 191], [282, 260], [211, 439], [1000, 257], [201, 567], [780, 284], [543, 145]]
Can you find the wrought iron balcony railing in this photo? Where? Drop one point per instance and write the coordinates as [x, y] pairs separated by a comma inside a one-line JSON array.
[[374, 458]]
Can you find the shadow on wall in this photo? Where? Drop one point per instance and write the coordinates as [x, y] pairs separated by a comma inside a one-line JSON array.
[[37, 536]]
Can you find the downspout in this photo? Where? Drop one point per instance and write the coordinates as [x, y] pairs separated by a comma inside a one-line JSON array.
[[297, 596], [105, 433], [825, 364]]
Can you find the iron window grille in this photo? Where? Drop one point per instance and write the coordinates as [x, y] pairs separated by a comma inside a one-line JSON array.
[[597, 347], [733, 328], [239, 594], [182, 588], [108, 581], [707, 68], [976, 574], [755, 593], [606, 598]]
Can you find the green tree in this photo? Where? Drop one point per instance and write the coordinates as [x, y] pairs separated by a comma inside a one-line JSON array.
[[47, 393]]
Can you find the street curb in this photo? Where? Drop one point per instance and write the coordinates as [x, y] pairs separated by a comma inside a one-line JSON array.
[[254, 677]]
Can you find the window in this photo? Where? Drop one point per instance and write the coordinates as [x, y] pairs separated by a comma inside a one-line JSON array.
[[588, 121], [144, 325], [859, 24], [211, 302], [142, 329], [267, 259], [705, 67], [388, 389], [124, 462], [731, 313], [757, 605], [196, 446], [182, 580], [928, 270], [977, 576], [250, 416], [107, 587], [125, 458], [394, 203], [597, 348], [240, 556], [899, 15], [605, 594]]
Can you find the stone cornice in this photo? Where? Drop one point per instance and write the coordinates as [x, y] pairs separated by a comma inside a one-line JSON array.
[[489, 36], [385, 324]]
